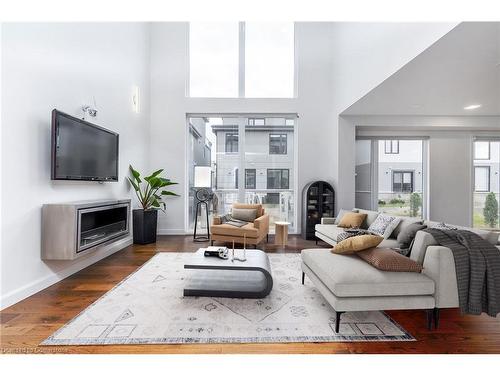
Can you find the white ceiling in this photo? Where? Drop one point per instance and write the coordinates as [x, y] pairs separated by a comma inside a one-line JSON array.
[[460, 69]]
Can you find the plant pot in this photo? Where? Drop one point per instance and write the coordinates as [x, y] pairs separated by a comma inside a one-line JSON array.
[[144, 222]]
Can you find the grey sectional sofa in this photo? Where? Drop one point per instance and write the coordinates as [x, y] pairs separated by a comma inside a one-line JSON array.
[[348, 283]]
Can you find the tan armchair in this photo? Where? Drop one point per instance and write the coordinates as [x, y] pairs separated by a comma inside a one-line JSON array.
[[253, 232]]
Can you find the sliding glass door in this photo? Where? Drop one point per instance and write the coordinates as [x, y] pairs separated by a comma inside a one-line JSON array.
[[252, 160], [486, 184], [390, 176]]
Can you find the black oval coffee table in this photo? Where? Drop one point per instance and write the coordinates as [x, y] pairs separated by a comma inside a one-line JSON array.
[[215, 277]]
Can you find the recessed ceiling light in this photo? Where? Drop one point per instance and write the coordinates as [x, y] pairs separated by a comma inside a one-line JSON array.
[[472, 106]]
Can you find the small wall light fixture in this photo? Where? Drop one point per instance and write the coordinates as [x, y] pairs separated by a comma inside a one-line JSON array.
[[135, 99]]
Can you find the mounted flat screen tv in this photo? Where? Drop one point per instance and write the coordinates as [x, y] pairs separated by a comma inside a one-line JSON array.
[[82, 151]]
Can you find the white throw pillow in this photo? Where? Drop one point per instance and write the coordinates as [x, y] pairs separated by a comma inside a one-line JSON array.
[[384, 225]]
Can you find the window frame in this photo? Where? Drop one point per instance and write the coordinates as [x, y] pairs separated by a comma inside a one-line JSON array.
[[391, 148], [251, 121], [488, 168], [402, 172], [247, 186], [280, 170], [227, 141], [242, 68], [281, 137]]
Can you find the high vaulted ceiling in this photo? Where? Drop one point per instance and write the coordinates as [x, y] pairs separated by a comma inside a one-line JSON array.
[[460, 69]]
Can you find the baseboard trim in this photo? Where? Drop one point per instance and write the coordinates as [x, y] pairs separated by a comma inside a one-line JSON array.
[[34, 287], [167, 232]]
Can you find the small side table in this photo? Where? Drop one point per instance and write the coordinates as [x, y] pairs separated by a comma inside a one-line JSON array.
[[281, 233]]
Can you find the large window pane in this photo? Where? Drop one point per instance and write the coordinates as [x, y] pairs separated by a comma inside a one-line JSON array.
[[269, 151], [213, 59], [269, 60], [258, 177], [400, 177], [486, 185]]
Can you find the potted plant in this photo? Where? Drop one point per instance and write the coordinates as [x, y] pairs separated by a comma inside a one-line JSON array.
[[150, 193]]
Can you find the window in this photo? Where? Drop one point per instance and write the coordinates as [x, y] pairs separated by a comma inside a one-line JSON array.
[[482, 178], [232, 142], [402, 182], [389, 182], [277, 179], [241, 59], [277, 143], [257, 121], [391, 146], [269, 59], [250, 178], [213, 59], [481, 150], [242, 168]]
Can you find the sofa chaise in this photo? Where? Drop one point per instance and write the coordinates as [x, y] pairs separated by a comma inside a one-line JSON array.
[[348, 283]]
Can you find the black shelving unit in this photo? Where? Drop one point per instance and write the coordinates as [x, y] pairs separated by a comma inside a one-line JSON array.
[[318, 201]]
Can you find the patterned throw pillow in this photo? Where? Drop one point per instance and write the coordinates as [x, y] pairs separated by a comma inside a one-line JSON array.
[[444, 226], [389, 260], [384, 225], [348, 233]]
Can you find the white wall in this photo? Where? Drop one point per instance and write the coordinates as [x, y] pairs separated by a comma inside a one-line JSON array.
[[450, 156], [46, 66], [365, 54]]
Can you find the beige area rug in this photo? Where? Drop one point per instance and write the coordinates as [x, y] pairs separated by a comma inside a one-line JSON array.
[[148, 307]]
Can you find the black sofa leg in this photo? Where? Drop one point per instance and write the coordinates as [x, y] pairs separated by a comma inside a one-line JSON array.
[[316, 241], [337, 321], [212, 243], [303, 277], [430, 314], [436, 317]]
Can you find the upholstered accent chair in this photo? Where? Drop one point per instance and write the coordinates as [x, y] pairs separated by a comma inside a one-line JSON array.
[[253, 232]]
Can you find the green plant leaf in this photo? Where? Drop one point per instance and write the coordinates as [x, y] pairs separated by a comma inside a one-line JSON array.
[[133, 183], [135, 174], [166, 192]]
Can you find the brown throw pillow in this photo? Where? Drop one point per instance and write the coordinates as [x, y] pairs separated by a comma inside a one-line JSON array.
[[357, 243], [351, 220], [388, 260]]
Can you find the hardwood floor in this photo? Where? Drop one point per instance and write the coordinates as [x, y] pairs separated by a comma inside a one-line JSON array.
[[27, 323]]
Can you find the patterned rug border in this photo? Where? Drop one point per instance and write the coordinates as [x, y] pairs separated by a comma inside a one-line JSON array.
[[51, 341]]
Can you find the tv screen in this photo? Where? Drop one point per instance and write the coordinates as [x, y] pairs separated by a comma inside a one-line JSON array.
[[82, 151]]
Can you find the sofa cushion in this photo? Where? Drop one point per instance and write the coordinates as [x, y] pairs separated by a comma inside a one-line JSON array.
[[258, 207], [357, 243], [247, 230], [389, 242], [341, 213], [384, 225], [370, 217], [389, 260], [352, 220], [245, 214], [408, 233], [405, 221], [420, 244], [350, 276], [328, 230]]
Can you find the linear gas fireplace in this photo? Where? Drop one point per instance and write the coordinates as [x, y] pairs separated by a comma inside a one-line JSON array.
[[70, 230]]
